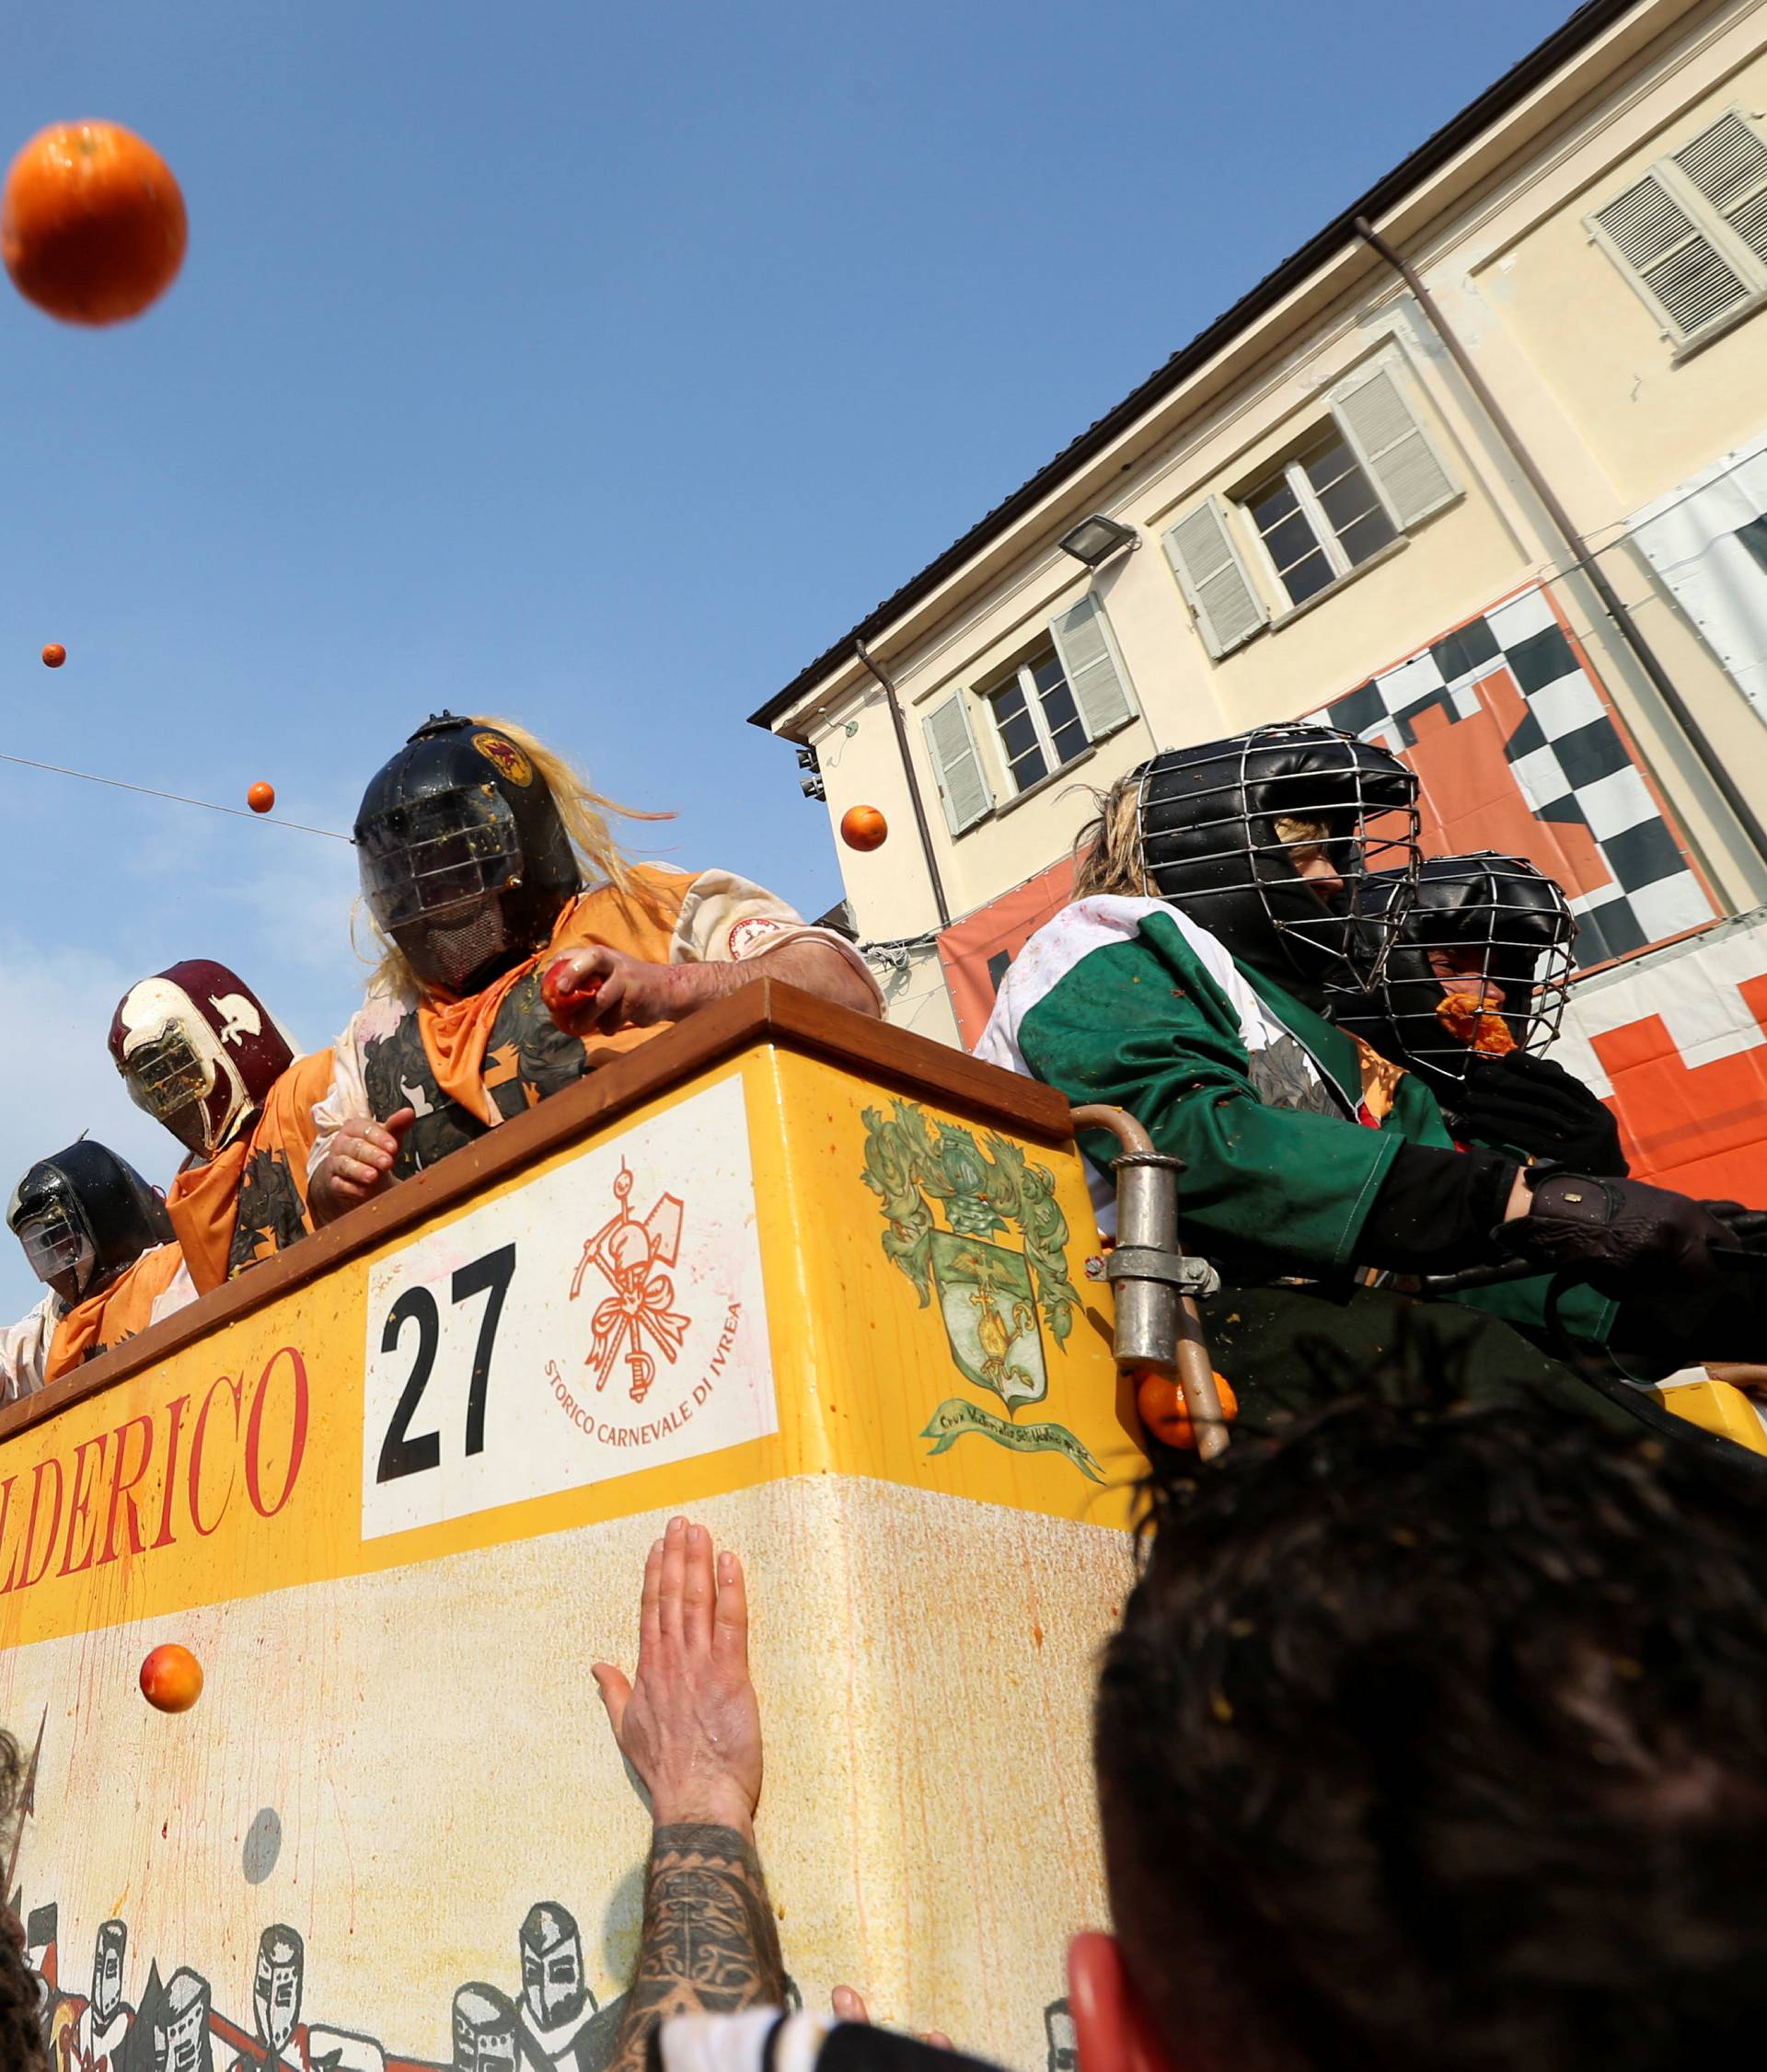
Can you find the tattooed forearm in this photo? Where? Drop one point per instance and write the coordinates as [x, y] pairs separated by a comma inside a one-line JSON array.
[[709, 1945]]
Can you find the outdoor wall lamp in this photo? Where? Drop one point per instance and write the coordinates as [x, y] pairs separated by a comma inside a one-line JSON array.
[[1094, 540]]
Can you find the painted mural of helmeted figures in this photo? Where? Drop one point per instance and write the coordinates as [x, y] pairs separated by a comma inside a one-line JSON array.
[[283, 2039], [181, 2038], [562, 2029], [1058, 2027], [484, 2029], [93, 2039]]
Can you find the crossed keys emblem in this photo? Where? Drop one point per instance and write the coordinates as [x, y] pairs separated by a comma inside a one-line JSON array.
[[630, 1251]]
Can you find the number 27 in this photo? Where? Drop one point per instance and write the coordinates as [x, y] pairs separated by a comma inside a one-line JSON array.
[[401, 1454]]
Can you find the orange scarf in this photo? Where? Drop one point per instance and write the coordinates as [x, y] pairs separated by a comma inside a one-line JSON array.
[[113, 1314], [456, 1033], [203, 1203]]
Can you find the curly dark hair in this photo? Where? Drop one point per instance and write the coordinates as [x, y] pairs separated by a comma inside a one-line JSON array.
[[1439, 1736], [22, 2047]]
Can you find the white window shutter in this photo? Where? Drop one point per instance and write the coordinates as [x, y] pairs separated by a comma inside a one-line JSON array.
[[1392, 446], [1092, 667], [1217, 584], [1727, 165], [956, 765], [1682, 273]]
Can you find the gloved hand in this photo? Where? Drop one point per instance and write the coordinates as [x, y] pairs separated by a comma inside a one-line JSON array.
[[1624, 1239], [1527, 1103]]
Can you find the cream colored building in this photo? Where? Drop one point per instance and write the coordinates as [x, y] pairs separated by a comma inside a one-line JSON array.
[[1326, 516]]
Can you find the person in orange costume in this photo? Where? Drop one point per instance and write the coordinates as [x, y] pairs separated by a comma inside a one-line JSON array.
[[523, 951], [202, 1053], [99, 1239]]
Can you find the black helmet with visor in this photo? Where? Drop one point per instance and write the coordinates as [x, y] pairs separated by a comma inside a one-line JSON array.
[[465, 860], [83, 1216], [1267, 840], [1471, 926]]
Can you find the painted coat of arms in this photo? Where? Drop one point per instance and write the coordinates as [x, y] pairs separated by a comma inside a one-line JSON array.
[[997, 1301]]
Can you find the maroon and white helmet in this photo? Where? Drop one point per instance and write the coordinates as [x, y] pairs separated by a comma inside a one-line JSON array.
[[199, 1051]]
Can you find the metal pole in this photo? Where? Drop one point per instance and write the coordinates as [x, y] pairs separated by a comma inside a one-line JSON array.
[[1157, 1326], [1725, 785], [890, 698]]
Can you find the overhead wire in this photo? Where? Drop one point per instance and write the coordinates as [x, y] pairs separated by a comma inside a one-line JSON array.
[[179, 798]]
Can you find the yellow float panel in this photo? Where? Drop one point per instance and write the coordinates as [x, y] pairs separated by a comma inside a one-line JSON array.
[[820, 1283]]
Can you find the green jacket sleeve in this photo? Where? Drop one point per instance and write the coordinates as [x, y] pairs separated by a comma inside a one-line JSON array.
[[1129, 1025]]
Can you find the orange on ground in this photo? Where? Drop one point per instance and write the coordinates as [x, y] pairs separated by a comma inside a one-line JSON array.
[[863, 828], [261, 797], [54, 655], [92, 224], [1161, 1403], [171, 1678]]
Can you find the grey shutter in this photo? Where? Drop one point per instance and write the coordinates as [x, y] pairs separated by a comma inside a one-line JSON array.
[[1217, 585], [1727, 165], [1684, 276], [1090, 662], [1390, 444], [956, 765]]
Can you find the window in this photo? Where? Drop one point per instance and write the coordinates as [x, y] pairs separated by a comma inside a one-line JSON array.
[[1691, 235], [1318, 518], [1070, 691], [1037, 720], [1366, 475]]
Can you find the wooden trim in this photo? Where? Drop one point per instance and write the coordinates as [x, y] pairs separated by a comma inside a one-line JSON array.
[[763, 1012]]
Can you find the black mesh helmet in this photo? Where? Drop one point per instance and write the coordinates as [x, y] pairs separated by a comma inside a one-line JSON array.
[[1494, 917], [1220, 824], [84, 1216], [465, 861]]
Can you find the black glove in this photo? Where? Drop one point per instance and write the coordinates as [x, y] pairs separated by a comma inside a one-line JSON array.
[[1622, 1238], [1529, 1104]]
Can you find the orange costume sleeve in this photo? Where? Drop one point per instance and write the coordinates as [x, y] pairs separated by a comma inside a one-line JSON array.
[[114, 1314], [251, 1199]]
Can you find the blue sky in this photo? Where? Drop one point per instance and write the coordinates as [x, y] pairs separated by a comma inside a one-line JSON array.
[[595, 365]]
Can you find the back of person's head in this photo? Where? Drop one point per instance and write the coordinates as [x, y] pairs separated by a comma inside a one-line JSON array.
[[21, 2028], [1439, 1738]]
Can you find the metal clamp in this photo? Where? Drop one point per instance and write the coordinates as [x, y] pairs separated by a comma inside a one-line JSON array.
[[1189, 1275]]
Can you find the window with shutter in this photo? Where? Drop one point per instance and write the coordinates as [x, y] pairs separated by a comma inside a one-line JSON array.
[[956, 765], [1677, 267], [1092, 667], [1691, 235], [1393, 447], [1728, 165], [1217, 584]]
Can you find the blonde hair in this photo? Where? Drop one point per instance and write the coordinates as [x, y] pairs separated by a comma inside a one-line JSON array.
[[584, 812], [1107, 851]]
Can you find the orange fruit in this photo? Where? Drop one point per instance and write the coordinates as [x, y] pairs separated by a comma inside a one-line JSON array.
[[171, 1678], [1163, 1411], [92, 223], [54, 655], [863, 828], [261, 797]]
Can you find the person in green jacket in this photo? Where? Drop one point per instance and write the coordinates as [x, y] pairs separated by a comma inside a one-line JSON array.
[[1224, 914]]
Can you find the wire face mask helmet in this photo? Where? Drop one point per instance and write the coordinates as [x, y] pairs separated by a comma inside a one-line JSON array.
[[465, 860], [1247, 835], [199, 1051], [83, 1216], [1472, 924]]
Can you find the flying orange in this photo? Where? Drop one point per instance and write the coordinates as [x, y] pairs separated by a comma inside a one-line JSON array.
[[92, 223], [863, 828]]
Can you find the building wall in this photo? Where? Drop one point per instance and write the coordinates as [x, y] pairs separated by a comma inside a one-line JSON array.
[[1613, 415]]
